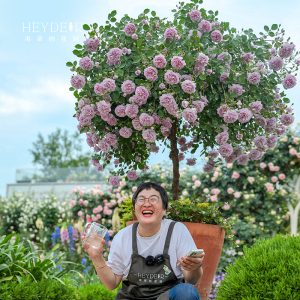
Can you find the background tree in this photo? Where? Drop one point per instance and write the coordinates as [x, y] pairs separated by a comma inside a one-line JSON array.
[[61, 150]]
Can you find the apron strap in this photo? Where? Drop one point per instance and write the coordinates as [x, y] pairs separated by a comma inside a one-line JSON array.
[[167, 242], [134, 243], [168, 238]]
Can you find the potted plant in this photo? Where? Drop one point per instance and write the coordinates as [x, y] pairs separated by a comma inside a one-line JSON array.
[[191, 81]]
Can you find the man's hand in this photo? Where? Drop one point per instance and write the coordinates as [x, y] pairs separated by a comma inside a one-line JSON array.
[[92, 252], [191, 263]]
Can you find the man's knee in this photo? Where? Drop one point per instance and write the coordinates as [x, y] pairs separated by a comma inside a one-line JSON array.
[[184, 291]]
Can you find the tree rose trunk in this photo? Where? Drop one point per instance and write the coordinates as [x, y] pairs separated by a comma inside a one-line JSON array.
[[174, 157]]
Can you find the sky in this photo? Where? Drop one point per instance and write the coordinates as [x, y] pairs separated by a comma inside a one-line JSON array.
[[37, 39]]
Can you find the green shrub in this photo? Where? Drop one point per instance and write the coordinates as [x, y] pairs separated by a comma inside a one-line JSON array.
[[269, 270], [96, 291], [43, 290], [18, 262]]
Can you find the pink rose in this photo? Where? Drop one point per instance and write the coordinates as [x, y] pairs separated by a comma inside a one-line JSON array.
[[85, 202], [235, 175], [131, 110], [213, 198], [177, 62], [128, 87], [188, 86], [151, 73], [159, 61], [114, 181], [189, 114], [281, 176], [172, 77], [197, 183], [131, 175], [237, 194], [149, 135], [125, 132], [226, 206], [251, 179], [274, 179], [109, 84]]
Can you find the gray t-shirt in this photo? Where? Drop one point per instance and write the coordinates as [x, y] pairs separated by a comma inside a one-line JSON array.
[[119, 259]]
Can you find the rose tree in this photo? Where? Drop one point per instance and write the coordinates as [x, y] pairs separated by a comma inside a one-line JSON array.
[[181, 83]]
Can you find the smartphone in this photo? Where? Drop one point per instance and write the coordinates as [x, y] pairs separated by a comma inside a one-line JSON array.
[[193, 253]]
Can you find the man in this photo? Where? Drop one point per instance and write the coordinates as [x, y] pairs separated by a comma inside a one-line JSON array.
[[145, 255]]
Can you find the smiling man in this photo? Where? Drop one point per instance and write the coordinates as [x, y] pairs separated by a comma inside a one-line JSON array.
[[148, 256]]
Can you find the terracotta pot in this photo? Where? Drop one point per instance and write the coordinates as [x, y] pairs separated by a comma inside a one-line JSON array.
[[211, 239]]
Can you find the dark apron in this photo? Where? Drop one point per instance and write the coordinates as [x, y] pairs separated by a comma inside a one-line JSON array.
[[149, 282]]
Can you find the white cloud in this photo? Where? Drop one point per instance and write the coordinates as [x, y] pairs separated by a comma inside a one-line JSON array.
[[46, 95]]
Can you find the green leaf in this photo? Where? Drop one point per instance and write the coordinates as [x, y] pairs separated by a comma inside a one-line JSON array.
[[78, 46], [110, 33], [95, 25], [69, 64], [216, 13], [271, 33], [136, 59], [242, 80], [202, 77], [173, 10], [153, 13], [150, 53], [259, 51], [181, 21], [266, 28], [244, 38], [272, 76], [113, 13], [233, 94], [71, 89], [139, 42], [86, 27], [113, 19], [76, 52], [146, 11], [210, 12], [274, 27]]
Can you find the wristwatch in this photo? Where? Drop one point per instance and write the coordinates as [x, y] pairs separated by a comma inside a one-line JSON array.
[[198, 267]]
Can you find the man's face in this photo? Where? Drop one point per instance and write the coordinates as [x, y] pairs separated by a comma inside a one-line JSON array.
[[149, 213]]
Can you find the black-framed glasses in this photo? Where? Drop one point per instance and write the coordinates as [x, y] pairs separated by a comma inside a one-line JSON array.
[[152, 200]]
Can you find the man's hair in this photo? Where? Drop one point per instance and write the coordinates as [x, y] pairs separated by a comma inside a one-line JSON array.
[[148, 186]]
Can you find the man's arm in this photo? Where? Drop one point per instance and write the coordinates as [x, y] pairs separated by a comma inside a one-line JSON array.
[[106, 275], [193, 277], [189, 264]]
